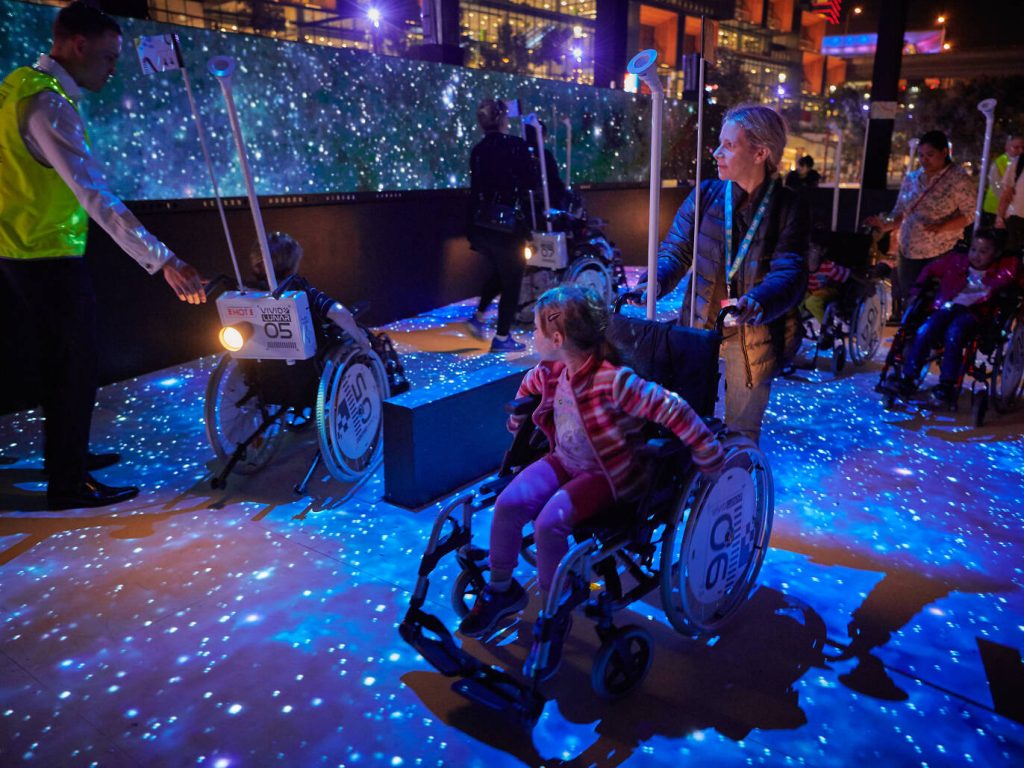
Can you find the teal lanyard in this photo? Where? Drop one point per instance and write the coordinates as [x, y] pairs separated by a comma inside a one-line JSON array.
[[732, 266]]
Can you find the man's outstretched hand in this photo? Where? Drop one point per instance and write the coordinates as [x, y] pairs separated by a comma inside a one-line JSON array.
[[185, 281]]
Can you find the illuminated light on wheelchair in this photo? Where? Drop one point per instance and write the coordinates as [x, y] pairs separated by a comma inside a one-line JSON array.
[[233, 337]]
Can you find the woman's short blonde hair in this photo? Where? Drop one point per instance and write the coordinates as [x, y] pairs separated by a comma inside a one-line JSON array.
[[764, 128]]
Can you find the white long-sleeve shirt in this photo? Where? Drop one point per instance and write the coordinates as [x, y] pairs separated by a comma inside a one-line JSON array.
[[54, 134], [1012, 181]]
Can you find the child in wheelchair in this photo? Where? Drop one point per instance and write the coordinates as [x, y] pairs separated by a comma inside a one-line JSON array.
[[329, 316], [967, 284], [592, 411], [824, 285]]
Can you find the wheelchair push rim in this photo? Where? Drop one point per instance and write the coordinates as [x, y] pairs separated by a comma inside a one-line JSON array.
[[1008, 373], [710, 564], [350, 412], [232, 412], [590, 272]]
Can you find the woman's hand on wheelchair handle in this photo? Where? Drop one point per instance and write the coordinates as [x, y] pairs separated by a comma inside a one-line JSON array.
[[750, 311]]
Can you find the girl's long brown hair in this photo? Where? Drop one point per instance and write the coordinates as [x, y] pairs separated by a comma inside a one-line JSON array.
[[580, 316]]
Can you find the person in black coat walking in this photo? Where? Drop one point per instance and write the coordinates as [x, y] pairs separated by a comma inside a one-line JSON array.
[[502, 173]]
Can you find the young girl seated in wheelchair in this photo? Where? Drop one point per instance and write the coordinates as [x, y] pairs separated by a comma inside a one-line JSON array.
[[967, 282], [592, 411]]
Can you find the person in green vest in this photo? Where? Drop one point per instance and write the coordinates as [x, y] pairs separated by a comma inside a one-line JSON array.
[[996, 171], [50, 186]]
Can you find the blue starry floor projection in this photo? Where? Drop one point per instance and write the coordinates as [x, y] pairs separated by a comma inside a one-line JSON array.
[[253, 627]]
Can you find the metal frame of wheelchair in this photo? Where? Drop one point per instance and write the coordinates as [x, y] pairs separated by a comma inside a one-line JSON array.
[[994, 358], [245, 424], [699, 542], [594, 262], [855, 323], [855, 320]]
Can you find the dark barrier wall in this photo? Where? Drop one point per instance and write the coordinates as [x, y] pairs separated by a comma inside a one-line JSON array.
[[404, 253]]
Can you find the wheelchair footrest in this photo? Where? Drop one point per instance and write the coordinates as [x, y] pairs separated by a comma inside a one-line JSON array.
[[501, 693], [441, 651]]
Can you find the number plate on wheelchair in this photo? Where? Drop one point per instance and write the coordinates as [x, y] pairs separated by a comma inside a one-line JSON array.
[[724, 540], [272, 329], [549, 250]]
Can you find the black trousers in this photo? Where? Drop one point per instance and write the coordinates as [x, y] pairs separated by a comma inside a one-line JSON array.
[[505, 253], [56, 307]]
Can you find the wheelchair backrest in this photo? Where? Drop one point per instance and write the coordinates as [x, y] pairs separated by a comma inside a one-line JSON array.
[[848, 249], [682, 359]]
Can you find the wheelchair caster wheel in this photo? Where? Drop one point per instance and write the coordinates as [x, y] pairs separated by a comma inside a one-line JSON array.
[[838, 360], [622, 662], [979, 409], [465, 591]]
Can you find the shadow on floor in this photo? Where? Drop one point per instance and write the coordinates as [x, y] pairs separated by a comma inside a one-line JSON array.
[[744, 681]]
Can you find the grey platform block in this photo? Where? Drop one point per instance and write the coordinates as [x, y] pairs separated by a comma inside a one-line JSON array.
[[437, 441]]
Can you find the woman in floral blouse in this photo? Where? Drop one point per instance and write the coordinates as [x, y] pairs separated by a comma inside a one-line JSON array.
[[936, 202]]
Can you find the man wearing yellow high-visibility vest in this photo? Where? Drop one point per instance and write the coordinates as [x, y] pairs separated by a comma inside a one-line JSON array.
[[50, 184]]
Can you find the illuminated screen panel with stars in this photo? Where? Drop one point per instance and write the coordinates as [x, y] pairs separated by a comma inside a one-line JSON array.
[[323, 120]]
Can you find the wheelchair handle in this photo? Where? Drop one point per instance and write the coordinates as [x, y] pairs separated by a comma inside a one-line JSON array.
[[724, 313], [634, 296], [283, 286], [216, 286]]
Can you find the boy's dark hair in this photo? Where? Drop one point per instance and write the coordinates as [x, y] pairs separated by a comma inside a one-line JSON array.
[[807, 161], [285, 255], [82, 18], [581, 316], [994, 236]]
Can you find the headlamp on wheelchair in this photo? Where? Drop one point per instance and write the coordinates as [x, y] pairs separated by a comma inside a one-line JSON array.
[[233, 337]]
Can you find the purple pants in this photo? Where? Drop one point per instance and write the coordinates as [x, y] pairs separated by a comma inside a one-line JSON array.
[[555, 501]]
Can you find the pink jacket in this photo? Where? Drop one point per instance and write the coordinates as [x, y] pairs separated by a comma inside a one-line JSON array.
[[951, 271], [614, 404]]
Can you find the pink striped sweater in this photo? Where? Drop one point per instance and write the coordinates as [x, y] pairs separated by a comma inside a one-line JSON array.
[[614, 404]]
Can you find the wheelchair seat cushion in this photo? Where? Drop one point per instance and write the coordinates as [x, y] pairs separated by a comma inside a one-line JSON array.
[[682, 359]]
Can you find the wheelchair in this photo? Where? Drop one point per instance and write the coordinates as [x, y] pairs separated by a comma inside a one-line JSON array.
[[854, 321], [697, 542], [251, 404], [576, 251], [993, 360]]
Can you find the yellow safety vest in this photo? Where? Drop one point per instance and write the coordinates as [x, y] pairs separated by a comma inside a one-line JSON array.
[[40, 217], [991, 204]]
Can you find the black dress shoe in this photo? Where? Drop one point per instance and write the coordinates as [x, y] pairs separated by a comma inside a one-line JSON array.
[[89, 493], [95, 461]]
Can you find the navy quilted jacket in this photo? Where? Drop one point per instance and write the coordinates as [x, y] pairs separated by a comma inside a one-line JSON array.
[[774, 272]]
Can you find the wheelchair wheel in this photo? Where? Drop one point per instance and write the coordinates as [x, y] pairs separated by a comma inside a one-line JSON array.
[[589, 272], [621, 662], [868, 323], [1004, 385], [232, 412], [709, 565], [350, 411], [465, 591]]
